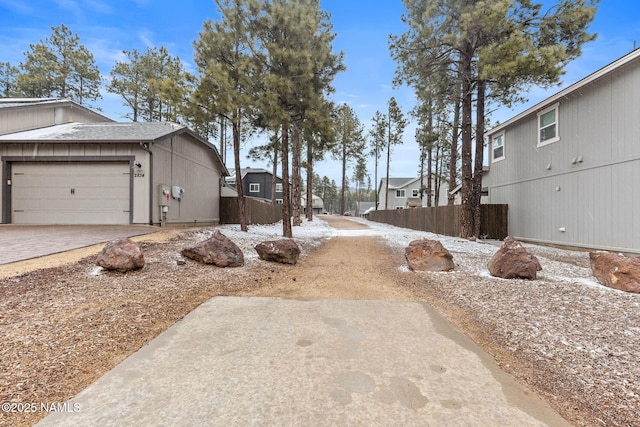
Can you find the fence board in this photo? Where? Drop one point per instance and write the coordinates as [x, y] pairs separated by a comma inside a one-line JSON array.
[[446, 219], [258, 212]]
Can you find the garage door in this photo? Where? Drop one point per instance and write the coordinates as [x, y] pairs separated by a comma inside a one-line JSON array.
[[70, 193]]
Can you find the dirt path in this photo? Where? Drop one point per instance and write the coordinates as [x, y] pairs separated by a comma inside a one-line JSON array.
[[343, 268]]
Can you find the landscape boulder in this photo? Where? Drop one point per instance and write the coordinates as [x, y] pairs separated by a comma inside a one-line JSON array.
[[428, 255], [284, 251], [616, 270], [218, 250], [121, 255], [512, 261]]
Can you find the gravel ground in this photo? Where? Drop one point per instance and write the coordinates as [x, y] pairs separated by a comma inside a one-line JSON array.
[[574, 342]]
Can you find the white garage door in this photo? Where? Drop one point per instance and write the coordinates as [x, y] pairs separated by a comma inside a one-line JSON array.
[[70, 193]]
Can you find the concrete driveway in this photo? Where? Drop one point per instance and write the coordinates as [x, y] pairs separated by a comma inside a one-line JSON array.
[[21, 242], [237, 361]]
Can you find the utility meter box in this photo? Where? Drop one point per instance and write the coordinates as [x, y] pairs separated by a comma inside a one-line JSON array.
[[164, 194], [176, 192]]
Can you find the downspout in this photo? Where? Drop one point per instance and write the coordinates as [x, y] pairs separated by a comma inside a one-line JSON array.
[[146, 148]]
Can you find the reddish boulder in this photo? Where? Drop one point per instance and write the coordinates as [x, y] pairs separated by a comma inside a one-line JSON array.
[[512, 261], [284, 251], [428, 255], [121, 255], [616, 270], [219, 250]]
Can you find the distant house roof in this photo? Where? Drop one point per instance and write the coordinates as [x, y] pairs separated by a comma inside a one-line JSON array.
[[397, 183], [245, 171], [22, 103]]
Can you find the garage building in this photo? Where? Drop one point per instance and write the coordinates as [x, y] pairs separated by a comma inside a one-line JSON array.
[[108, 173]]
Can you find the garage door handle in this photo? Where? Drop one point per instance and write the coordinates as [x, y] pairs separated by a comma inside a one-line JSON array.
[[73, 191]]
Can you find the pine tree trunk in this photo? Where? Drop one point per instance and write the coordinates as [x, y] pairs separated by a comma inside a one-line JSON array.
[[422, 160], [438, 176], [386, 194], [274, 174], [479, 160], [429, 176], [236, 155], [223, 148], [376, 175], [344, 179], [309, 180], [453, 162], [286, 196], [466, 217], [295, 171]]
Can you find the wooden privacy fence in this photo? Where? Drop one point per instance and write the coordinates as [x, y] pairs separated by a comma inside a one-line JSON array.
[[446, 219], [258, 211]]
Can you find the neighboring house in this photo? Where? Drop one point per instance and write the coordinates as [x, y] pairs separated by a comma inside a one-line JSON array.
[[405, 193], [365, 207], [317, 204], [105, 172], [257, 183], [569, 167], [20, 114]]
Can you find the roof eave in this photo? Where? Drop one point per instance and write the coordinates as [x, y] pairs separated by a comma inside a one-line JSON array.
[[568, 90]]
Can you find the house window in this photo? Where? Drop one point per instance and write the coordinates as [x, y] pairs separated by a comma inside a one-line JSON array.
[[415, 193], [548, 126], [278, 187], [401, 193], [254, 188], [497, 143], [279, 201]]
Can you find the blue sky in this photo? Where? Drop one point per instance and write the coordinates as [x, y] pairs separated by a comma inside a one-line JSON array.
[[107, 27]]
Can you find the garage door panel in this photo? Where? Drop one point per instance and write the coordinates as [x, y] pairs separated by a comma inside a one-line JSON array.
[[70, 193]]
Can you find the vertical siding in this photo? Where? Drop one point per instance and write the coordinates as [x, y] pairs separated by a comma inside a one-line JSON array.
[[185, 162], [599, 195]]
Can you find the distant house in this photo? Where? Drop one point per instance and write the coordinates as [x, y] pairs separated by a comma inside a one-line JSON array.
[[21, 114], [64, 164], [365, 207], [257, 183], [569, 167], [405, 192], [317, 204]]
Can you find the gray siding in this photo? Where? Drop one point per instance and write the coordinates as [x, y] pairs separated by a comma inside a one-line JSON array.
[[180, 160], [27, 117], [588, 181]]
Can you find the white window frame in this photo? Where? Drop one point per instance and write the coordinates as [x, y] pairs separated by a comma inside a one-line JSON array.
[[254, 187], [415, 192], [493, 147], [556, 123], [404, 194], [278, 187]]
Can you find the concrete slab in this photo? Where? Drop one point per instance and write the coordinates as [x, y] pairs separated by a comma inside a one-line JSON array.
[[21, 242], [264, 361]]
